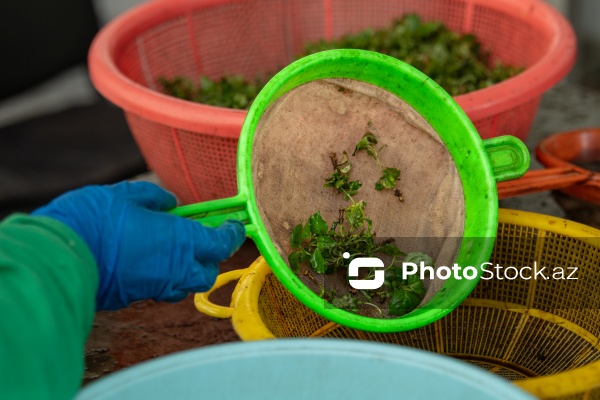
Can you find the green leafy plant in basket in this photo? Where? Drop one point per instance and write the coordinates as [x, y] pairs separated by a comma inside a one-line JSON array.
[[457, 62]]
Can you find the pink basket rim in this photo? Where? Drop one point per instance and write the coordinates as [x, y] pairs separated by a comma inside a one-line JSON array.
[[155, 106]]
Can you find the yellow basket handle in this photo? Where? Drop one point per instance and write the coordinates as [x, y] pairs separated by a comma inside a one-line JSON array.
[[205, 306]]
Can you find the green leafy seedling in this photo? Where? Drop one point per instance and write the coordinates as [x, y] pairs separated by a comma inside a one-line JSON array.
[[402, 302], [320, 247], [340, 178], [389, 176]]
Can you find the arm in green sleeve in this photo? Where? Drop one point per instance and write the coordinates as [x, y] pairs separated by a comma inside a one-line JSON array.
[[48, 284]]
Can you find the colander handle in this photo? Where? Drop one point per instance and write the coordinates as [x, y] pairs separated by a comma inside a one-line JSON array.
[[203, 303], [508, 156], [213, 213]]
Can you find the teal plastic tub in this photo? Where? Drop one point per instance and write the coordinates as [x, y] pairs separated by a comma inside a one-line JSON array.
[[295, 369]]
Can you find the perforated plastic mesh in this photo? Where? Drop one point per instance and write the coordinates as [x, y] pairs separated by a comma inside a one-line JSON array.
[[355, 15], [511, 41], [257, 37], [571, 253], [510, 252], [504, 372], [291, 160], [512, 120], [519, 329], [183, 159]]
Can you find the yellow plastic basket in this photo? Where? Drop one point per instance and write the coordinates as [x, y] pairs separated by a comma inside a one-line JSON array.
[[542, 334]]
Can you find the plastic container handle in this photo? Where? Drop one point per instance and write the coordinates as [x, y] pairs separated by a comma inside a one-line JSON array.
[[548, 179], [508, 156], [557, 153], [203, 303]]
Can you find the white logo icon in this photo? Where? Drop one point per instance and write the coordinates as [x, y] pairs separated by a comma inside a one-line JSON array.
[[366, 262]]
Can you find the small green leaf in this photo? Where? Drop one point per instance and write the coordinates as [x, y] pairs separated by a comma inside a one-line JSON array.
[[355, 214], [327, 294], [317, 262], [415, 284], [294, 260], [240, 100], [402, 302], [366, 143], [318, 226], [336, 180], [306, 231], [388, 179], [304, 256], [353, 187], [412, 279], [390, 276], [393, 278], [325, 243], [206, 84], [346, 168], [297, 237], [346, 302], [390, 250], [417, 257]]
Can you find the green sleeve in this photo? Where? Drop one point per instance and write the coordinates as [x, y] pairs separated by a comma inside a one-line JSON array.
[[48, 284]]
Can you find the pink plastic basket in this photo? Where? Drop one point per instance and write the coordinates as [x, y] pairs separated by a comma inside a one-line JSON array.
[[192, 147]]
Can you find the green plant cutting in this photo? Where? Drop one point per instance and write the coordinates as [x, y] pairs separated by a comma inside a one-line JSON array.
[[389, 176], [233, 91], [457, 62], [319, 247]]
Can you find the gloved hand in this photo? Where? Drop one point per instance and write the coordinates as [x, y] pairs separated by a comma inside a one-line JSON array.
[[141, 251]]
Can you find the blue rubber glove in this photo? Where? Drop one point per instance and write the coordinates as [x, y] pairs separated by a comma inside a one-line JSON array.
[[141, 251]]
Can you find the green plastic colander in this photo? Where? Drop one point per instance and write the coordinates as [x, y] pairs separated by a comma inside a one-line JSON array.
[[479, 165]]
